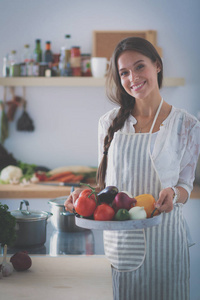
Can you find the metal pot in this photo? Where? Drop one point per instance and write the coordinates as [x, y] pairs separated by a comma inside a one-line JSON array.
[[61, 219], [30, 226], [75, 243]]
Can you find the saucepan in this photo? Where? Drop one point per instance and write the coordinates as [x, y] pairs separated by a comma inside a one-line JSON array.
[[30, 226], [61, 219]]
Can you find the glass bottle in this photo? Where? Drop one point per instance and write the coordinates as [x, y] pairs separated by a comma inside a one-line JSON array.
[[38, 51], [5, 66], [48, 55], [26, 64], [14, 67]]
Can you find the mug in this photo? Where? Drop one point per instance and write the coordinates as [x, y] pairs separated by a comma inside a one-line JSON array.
[[99, 66]]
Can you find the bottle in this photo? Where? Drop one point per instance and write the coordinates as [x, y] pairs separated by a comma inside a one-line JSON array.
[[48, 55], [38, 51], [14, 67], [5, 66], [26, 65], [64, 63], [76, 61], [67, 50]]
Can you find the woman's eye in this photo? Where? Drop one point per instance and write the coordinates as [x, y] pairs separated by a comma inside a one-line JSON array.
[[139, 67], [123, 73]]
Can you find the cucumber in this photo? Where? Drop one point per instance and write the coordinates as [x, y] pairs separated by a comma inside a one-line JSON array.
[[122, 215]]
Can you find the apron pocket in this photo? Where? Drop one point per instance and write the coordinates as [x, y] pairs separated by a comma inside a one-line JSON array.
[[125, 250]]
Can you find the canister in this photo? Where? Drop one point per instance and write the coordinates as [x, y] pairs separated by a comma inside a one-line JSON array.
[[75, 61]]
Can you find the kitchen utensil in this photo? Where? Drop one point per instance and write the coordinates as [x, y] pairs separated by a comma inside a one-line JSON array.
[[30, 226], [25, 123], [60, 183], [118, 225], [62, 220]]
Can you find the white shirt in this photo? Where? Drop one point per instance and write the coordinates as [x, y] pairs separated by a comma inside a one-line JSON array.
[[175, 147]]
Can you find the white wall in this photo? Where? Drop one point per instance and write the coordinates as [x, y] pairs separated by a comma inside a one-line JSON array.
[[66, 118]]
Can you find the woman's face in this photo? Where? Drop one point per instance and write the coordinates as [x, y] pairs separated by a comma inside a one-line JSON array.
[[138, 74]]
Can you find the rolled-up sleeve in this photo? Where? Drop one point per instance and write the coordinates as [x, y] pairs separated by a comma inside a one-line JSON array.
[[189, 159]]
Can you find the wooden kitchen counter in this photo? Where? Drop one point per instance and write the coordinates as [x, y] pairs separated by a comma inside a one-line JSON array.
[[12, 191], [60, 278], [9, 191]]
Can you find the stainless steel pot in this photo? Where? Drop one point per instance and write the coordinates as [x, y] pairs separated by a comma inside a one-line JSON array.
[[30, 226], [61, 219], [75, 243]]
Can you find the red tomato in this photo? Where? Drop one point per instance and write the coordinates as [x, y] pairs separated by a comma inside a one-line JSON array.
[[85, 204], [104, 212]]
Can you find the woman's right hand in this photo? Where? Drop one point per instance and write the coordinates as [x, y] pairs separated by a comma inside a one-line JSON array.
[[69, 203]]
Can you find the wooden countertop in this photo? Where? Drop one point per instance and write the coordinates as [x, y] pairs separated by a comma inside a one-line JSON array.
[[62, 277], [9, 191]]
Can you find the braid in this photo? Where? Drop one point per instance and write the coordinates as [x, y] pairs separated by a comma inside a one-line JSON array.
[[116, 125]]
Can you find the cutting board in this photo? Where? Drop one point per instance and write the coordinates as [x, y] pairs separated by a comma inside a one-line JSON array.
[[60, 278]]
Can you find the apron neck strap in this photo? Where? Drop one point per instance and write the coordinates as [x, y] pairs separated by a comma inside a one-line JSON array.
[[156, 116]]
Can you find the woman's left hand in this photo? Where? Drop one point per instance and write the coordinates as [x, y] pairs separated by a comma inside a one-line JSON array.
[[165, 201]]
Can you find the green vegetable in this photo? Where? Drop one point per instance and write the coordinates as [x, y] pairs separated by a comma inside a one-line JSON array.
[[7, 226], [27, 169], [122, 215]]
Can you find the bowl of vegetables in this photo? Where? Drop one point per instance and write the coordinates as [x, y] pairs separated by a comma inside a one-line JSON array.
[[114, 210]]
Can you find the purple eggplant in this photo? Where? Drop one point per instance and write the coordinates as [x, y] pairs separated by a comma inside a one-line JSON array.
[[108, 194]]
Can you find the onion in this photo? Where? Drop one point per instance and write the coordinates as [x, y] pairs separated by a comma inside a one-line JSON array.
[[122, 200], [21, 261], [137, 213]]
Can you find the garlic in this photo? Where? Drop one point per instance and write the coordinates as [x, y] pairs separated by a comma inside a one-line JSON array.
[[34, 179], [137, 213], [6, 268], [25, 182]]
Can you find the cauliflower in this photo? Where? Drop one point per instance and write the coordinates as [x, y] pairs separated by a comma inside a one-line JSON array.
[[11, 173]]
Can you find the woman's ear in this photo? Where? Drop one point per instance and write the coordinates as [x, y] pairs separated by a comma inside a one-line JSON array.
[[158, 67]]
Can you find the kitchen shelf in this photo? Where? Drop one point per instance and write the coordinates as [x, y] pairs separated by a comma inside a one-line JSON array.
[[72, 81]]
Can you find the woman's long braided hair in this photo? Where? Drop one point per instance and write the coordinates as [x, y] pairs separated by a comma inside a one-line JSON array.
[[118, 95]]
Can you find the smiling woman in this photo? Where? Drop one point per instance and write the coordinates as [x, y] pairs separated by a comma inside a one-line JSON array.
[[147, 146]]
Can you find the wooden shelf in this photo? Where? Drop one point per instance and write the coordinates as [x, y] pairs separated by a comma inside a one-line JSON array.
[[71, 81]]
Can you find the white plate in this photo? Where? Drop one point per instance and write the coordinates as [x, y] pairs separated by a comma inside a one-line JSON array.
[[118, 225]]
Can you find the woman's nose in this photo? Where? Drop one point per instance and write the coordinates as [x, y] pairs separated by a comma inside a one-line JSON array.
[[133, 77]]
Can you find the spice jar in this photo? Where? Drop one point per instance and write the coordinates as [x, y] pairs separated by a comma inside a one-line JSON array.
[[86, 65], [75, 61]]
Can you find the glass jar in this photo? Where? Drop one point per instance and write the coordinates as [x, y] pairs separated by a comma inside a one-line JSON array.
[[76, 61]]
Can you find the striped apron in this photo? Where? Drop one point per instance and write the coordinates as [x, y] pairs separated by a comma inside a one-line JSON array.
[[152, 263]]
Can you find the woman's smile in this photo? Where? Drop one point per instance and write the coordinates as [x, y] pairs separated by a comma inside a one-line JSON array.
[[137, 87]]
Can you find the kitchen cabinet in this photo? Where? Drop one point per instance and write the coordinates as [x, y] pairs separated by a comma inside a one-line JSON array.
[[72, 81]]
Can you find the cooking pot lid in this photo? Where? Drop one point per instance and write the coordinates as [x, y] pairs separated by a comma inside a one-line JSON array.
[[32, 215], [27, 215], [58, 201]]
